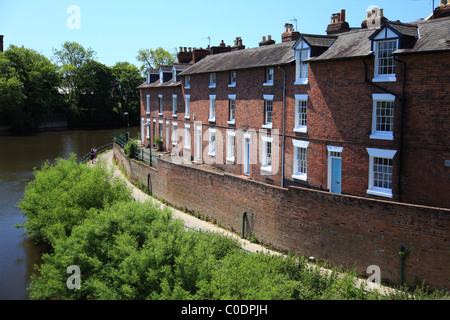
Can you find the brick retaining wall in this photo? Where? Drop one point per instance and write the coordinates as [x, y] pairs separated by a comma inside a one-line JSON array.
[[343, 230]]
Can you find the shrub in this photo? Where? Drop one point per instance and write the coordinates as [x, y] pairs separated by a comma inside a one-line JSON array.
[[61, 195], [130, 148]]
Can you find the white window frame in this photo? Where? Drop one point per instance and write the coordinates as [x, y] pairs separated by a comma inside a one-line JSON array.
[[174, 106], [382, 154], [148, 130], [231, 144], [148, 103], [212, 108], [167, 135], [303, 176], [267, 124], [266, 161], [212, 142], [187, 108], [174, 133], [301, 118], [187, 136], [269, 76], [231, 115], [160, 100], [198, 154], [383, 77], [212, 80], [187, 82], [377, 134], [232, 79]]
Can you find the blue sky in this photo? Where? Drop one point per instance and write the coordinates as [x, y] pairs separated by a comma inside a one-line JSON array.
[[116, 30]]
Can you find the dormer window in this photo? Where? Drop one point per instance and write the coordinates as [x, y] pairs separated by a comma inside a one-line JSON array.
[[302, 52], [385, 41]]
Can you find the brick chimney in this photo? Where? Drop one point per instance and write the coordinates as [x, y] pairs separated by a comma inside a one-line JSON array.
[[199, 54], [237, 44], [267, 42], [1, 43], [443, 10], [338, 23], [184, 55], [375, 18], [289, 33]]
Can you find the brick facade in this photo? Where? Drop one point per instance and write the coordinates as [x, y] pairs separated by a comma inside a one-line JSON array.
[[341, 94]]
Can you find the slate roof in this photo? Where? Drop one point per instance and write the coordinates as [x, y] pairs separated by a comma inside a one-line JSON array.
[[434, 36], [318, 40], [348, 45], [265, 56]]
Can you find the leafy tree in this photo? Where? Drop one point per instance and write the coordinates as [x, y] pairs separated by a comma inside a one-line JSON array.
[[154, 58], [95, 85], [70, 60], [62, 194], [127, 99], [28, 86]]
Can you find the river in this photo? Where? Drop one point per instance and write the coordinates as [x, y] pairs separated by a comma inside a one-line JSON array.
[[18, 156]]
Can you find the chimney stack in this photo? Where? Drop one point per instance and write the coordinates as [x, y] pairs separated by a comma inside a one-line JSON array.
[[375, 18], [338, 23], [441, 11], [267, 42], [289, 33], [237, 44]]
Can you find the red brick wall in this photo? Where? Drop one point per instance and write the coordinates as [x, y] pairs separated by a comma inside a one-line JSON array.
[[344, 230]]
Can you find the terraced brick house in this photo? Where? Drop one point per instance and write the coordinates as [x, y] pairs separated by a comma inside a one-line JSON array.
[[357, 111]]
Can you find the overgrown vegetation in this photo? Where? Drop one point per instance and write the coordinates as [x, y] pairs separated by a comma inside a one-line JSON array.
[[129, 250]]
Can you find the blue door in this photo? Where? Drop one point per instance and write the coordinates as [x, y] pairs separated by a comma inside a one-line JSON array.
[[336, 175]]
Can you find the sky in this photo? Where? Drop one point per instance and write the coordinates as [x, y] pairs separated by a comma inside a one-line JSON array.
[[116, 30]]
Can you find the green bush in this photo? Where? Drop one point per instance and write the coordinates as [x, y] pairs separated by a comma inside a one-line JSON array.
[[61, 195], [130, 148]]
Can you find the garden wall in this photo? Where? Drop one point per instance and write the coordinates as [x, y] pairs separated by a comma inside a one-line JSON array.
[[343, 230]]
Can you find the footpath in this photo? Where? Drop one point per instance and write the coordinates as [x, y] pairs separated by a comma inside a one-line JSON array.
[[196, 224], [190, 222]]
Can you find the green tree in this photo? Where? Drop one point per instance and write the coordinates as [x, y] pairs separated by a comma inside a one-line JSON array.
[[127, 99], [95, 83], [61, 195], [70, 60], [154, 58], [28, 85]]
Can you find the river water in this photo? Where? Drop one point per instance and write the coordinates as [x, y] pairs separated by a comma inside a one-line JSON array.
[[18, 156]]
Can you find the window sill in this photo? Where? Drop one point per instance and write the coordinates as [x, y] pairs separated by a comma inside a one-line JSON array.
[[387, 193], [174, 143], [212, 120], [301, 129], [382, 136], [267, 169], [174, 116], [187, 87], [187, 117], [266, 84], [212, 87], [212, 154], [387, 78], [148, 113], [232, 85], [302, 177], [301, 81], [230, 160], [187, 147], [231, 122], [267, 126], [160, 114]]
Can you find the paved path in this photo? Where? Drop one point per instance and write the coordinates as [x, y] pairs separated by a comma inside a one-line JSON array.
[[189, 221]]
